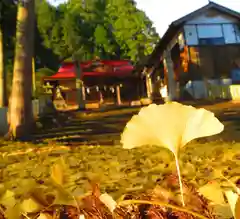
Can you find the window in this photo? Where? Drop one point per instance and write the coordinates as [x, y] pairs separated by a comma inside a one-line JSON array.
[[212, 41], [209, 30]]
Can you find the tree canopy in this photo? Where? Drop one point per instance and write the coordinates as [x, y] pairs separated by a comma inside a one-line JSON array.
[[84, 29]]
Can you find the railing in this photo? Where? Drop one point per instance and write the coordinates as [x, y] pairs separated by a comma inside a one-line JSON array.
[[224, 92], [214, 90]]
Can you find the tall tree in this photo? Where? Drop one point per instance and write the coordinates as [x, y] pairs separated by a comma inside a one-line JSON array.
[[8, 25], [4, 13], [20, 114], [133, 30], [2, 72], [108, 29]]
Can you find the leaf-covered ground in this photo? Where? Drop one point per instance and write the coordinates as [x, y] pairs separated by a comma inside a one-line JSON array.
[[90, 145], [119, 171]]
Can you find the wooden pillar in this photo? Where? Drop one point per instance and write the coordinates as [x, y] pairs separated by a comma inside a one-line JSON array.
[[171, 83], [100, 97], [118, 95], [149, 86], [147, 82], [83, 93]]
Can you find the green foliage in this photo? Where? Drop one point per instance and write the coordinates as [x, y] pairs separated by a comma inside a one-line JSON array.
[[110, 30], [45, 72], [107, 29]]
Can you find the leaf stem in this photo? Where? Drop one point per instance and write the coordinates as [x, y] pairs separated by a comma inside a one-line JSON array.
[[232, 184], [179, 179]]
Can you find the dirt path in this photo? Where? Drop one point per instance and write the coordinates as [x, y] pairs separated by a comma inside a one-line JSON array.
[[105, 127]]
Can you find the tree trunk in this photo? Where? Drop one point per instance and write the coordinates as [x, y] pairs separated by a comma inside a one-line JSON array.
[[79, 86], [20, 115], [2, 72]]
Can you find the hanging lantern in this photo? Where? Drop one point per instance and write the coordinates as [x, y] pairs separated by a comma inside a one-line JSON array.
[[121, 85], [88, 90], [105, 88], [97, 88]]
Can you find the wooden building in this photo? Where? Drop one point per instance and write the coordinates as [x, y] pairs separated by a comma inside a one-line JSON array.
[[198, 49], [104, 82]]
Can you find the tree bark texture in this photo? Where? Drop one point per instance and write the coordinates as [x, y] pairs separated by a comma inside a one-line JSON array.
[[20, 115]]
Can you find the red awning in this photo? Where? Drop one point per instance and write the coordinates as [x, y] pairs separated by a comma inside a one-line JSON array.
[[71, 75], [120, 68]]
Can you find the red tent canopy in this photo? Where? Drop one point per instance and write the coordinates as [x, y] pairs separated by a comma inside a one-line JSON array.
[[117, 68]]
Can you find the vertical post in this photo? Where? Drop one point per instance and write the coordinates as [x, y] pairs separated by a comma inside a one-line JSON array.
[[118, 94], [148, 85], [79, 86], [171, 84], [33, 77], [100, 97]]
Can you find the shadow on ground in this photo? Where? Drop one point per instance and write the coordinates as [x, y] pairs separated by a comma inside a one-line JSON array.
[[99, 127], [104, 128]]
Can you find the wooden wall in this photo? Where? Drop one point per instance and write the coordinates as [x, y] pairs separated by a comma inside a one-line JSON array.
[[212, 62]]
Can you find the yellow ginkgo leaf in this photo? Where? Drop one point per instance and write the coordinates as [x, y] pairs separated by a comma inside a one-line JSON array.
[[237, 208], [57, 172], [30, 206], [221, 211], [213, 192], [234, 202], [201, 123], [171, 125], [108, 201], [44, 216]]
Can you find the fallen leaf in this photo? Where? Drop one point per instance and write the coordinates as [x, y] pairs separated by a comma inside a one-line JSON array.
[[213, 192], [234, 202], [57, 172], [8, 199], [108, 201], [14, 212], [44, 216], [237, 208], [30, 206], [222, 211]]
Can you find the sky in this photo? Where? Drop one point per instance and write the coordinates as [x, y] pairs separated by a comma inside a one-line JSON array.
[[163, 14]]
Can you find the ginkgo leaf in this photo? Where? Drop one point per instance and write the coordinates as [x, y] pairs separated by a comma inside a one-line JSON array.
[[30, 205], [222, 211], [171, 125], [234, 202], [8, 199], [213, 192], [201, 123], [57, 172], [13, 212], [237, 208], [108, 201], [38, 194], [44, 216]]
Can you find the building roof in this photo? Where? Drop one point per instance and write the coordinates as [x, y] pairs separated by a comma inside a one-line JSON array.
[[115, 68], [175, 26]]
